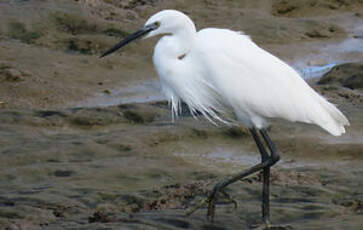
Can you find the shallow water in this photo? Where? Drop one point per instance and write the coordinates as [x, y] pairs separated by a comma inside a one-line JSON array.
[[310, 72]]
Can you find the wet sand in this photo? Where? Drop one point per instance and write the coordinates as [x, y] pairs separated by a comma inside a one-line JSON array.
[[106, 168], [89, 144]]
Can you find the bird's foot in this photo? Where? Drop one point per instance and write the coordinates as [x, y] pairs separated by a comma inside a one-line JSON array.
[[211, 202], [268, 226], [229, 198]]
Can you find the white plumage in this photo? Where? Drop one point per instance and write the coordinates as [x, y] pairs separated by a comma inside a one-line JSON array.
[[225, 76], [219, 71]]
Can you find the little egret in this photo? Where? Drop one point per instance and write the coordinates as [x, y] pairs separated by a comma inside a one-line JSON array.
[[226, 77]]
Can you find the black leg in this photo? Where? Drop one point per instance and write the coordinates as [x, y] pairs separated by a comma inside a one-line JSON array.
[[266, 178], [266, 191], [261, 148], [274, 154], [224, 183], [267, 162]]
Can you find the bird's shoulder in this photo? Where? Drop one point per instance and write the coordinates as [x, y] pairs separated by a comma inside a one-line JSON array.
[[215, 38], [222, 34], [224, 42]]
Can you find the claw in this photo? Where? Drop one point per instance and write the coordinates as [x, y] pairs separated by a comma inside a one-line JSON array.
[[211, 201], [211, 205], [229, 198]]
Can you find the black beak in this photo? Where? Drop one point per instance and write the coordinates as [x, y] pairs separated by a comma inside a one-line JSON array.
[[141, 32]]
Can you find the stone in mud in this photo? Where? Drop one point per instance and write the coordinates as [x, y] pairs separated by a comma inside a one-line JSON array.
[[349, 75], [139, 113], [99, 217], [12, 74], [63, 173], [120, 147], [354, 81], [133, 116], [95, 116], [49, 113]]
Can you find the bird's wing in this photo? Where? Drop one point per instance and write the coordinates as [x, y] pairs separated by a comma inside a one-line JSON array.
[[258, 85]]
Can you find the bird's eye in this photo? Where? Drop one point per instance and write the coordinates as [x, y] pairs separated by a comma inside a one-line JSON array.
[[157, 24]]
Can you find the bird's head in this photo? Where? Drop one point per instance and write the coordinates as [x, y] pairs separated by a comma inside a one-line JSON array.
[[166, 22]]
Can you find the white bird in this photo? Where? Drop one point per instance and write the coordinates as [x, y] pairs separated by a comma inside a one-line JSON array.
[[226, 77]]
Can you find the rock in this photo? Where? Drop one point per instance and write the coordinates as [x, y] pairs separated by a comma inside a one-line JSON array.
[[95, 117], [349, 75], [63, 173], [106, 91], [138, 114], [12, 75], [99, 217], [354, 81]]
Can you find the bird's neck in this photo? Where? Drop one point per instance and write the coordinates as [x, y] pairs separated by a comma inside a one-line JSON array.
[[184, 41], [176, 45]]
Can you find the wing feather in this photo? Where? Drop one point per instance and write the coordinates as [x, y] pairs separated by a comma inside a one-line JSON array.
[[258, 85]]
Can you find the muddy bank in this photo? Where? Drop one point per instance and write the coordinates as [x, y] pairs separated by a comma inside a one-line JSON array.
[[348, 75], [129, 167]]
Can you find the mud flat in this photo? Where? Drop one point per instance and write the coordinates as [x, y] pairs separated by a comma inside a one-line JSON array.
[[128, 167], [89, 144]]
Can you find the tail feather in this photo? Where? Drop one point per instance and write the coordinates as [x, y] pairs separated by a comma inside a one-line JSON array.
[[335, 121]]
